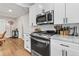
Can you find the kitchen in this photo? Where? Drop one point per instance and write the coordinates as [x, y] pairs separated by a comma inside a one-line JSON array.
[[46, 29], [65, 41]]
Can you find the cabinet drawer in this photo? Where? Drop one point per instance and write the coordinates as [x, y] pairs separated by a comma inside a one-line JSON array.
[[66, 44]]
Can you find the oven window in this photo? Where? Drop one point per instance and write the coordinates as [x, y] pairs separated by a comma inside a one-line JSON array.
[[40, 47]]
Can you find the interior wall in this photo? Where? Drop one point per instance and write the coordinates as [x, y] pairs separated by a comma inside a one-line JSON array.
[[23, 25], [45, 27], [51, 27], [7, 28]]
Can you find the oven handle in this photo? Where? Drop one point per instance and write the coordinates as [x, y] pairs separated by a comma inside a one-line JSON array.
[[47, 42]]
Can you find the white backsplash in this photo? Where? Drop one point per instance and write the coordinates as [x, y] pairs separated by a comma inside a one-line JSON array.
[[51, 27], [46, 27]]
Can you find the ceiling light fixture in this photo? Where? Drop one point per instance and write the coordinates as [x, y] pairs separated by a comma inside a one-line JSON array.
[[10, 10]]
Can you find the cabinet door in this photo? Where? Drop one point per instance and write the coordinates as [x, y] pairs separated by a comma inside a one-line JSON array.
[[33, 11], [59, 13], [47, 6], [72, 52], [27, 42], [27, 45], [72, 12], [56, 49]]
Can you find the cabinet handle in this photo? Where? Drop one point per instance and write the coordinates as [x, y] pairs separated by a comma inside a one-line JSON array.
[[66, 20], [66, 53], [64, 45], [62, 52]]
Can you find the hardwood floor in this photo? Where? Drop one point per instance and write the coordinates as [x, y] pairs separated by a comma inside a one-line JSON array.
[[13, 47]]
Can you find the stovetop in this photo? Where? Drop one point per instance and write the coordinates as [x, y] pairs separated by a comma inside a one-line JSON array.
[[44, 34]]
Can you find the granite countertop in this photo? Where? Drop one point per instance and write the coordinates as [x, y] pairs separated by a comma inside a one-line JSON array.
[[72, 39]]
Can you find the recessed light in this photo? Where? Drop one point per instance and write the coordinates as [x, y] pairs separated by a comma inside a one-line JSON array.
[[10, 10], [40, 6]]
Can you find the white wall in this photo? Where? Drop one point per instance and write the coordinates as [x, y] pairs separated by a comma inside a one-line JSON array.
[[44, 27], [23, 25], [51, 27], [6, 26]]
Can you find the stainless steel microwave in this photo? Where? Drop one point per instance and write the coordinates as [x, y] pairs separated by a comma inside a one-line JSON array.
[[45, 18]]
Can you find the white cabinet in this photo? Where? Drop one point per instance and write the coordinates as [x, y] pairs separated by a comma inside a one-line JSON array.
[[72, 12], [56, 49], [61, 48], [63, 13], [32, 15], [72, 52], [33, 12], [66, 13], [59, 13], [47, 6], [27, 42]]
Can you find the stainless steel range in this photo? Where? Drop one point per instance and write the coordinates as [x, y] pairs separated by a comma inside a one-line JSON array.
[[40, 43]]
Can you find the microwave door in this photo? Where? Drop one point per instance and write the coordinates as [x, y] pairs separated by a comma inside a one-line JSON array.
[[41, 19]]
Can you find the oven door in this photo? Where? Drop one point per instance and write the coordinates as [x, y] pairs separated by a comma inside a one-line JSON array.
[[40, 47], [41, 19]]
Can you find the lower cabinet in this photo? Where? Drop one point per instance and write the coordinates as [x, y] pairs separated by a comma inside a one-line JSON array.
[[72, 52], [60, 48], [27, 42], [56, 50]]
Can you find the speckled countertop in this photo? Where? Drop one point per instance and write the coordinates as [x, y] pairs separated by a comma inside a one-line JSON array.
[[72, 39]]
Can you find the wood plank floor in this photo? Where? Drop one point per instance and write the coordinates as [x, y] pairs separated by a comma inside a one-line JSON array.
[[13, 47]]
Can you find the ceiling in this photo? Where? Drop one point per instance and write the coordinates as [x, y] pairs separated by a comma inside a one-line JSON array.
[[14, 10]]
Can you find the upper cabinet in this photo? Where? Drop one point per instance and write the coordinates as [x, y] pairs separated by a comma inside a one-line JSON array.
[[66, 13], [63, 13], [59, 13], [33, 11], [47, 6], [72, 12]]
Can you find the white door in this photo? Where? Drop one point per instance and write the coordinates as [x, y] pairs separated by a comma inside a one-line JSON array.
[[59, 13], [72, 12], [56, 49], [72, 52]]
